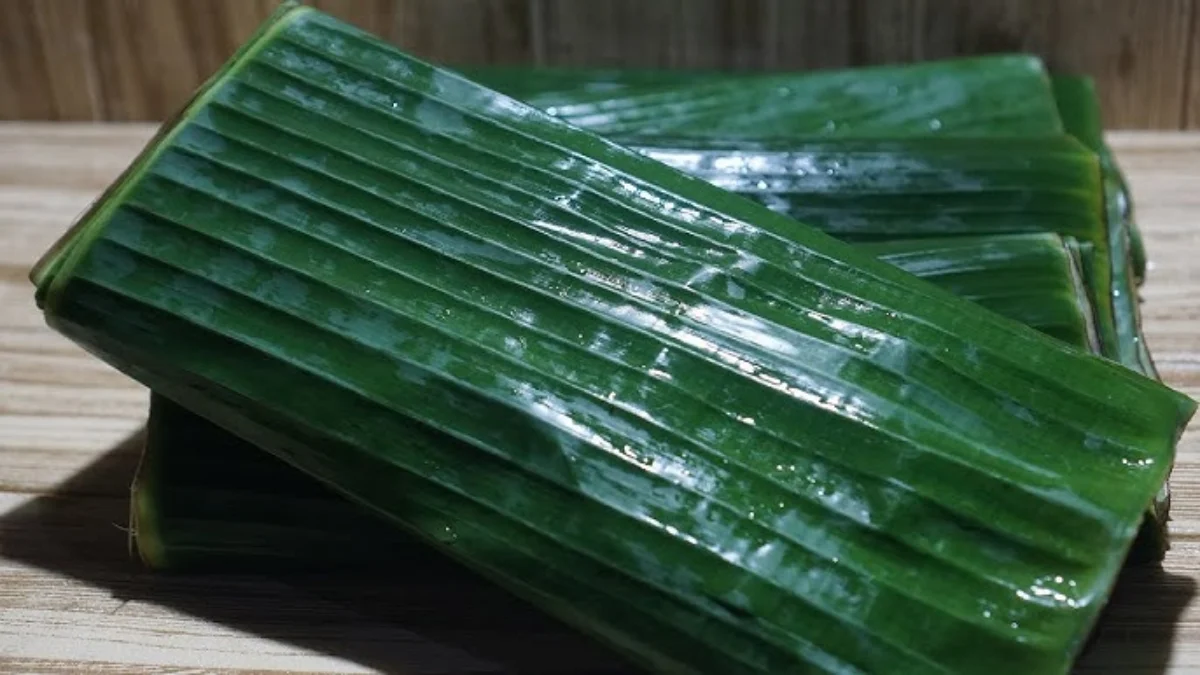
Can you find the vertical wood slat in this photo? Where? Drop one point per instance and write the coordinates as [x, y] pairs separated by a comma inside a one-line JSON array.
[[45, 61], [373, 16], [22, 64], [660, 33], [990, 26], [152, 54], [1139, 60], [216, 28], [811, 34], [885, 31], [68, 49], [1191, 110], [462, 32]]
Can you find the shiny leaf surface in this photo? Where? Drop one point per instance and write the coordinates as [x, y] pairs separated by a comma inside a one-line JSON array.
[[1036, 279], [989, 95], [862, 190], [206, 499]]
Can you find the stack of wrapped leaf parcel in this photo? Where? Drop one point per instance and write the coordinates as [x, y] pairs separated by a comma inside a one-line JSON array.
[[821, 372]]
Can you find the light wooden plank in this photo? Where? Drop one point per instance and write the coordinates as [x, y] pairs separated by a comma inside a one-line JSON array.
[[68, 587]]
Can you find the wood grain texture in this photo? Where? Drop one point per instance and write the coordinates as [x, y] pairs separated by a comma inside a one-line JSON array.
[[72, 602], [1191, 113], [1140, 57], [659, 34], [814, 34], [45, 61], [376, 16], [143, 56], [695, 34], [468, 31], [139, 59]]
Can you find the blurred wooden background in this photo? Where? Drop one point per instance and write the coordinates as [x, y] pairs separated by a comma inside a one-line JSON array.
[[139, 59]]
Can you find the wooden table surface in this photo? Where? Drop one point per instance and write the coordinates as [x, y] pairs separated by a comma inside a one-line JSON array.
[[72, 601]]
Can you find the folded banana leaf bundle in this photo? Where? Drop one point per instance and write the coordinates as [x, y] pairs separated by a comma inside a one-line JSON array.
[[866, 189], [1001, 96], [713, 437], [997, 95], [205, 499]]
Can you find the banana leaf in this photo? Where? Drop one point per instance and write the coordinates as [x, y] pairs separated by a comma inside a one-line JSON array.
[[988, 166], [1081, 112], [1075, 100], [564, 83], [1001, 95], [719, 441], [864, 189], [893, 100], [961, 186], [1079, 107], [1036, 279], [991, 95], [205, 499]]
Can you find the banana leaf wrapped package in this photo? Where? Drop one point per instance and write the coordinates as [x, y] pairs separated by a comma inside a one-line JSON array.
[[865, 189], [993, 95]]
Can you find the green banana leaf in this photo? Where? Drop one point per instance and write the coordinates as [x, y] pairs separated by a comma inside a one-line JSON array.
[[205, 499], [1074, 98], [1036, 279], [886, 101], [1081, 110], [1006, 95], [526, 82], [864, 189], [1079, 107], [720, 441], [942, 213]]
